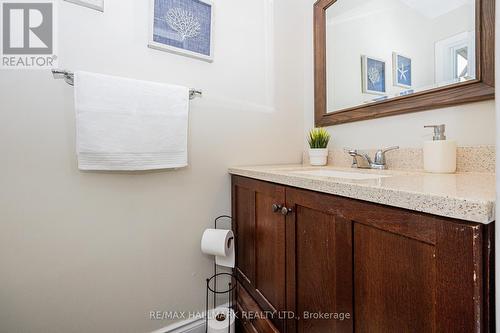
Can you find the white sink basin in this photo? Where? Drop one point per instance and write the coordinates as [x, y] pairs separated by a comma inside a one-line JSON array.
[[340, 174]]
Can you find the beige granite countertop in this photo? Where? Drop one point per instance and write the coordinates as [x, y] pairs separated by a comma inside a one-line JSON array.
[[465, 196]]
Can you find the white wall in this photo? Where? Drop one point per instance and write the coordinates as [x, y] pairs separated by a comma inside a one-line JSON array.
[[470, 124], [95, 251]]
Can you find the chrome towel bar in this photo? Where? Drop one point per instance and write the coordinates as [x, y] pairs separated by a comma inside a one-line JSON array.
[[69, 78]]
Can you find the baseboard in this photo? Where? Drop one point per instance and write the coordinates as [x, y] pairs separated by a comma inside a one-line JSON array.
[[195, 325]]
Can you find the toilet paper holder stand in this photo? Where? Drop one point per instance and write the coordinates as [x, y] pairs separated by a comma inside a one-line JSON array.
[[213, 280], [229, 291]]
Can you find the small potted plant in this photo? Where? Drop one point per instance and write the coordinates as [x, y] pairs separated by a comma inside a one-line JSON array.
[[318, 143]]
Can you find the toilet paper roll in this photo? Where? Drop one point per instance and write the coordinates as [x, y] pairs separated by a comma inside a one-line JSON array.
[[221, 320], [219, 243]]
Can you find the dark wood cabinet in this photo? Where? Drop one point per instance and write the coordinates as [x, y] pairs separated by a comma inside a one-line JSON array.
[[251, 315], [319, 256], [395, 282], [342, 265], [260, 239]]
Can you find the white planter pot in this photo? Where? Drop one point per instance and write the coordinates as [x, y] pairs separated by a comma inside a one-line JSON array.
[[318, 157]]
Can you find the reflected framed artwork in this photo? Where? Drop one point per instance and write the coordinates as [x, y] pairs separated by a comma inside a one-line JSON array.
[[402, 70], [373, 72], [182, 26]]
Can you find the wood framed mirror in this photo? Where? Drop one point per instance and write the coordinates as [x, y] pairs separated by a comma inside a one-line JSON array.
[[380, 58]]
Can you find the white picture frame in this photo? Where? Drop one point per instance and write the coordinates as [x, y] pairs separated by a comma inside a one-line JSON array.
[[92, 4], [371, 84], [407, 69], [206, 53]]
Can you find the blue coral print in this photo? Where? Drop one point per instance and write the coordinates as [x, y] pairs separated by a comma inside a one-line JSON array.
[[185, 24], [375, 75]]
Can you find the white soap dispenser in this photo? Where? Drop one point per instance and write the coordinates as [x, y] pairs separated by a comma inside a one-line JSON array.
[[440, 155]]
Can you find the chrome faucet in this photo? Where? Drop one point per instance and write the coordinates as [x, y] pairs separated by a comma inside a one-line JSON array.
[[363, 161]]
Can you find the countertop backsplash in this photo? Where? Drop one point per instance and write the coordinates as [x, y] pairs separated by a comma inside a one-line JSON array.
[[469, 159]]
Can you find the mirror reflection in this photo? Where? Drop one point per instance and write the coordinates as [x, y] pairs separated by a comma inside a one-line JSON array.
[[381, 49]]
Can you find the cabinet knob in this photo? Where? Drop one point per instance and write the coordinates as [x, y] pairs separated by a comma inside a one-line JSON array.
[[285, 211], [276, 208]]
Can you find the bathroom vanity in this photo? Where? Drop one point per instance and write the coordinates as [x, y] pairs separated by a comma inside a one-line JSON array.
[[337, 250]]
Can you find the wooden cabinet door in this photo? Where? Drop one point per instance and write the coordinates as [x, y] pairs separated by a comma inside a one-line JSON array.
[[319, 270], [393, 270], [395, 282], [260, 242], [256, 323], [416, 273]]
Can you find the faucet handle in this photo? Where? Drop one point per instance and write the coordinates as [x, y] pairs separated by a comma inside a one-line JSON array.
[[385, 150], [350, 151], [380, 155], [353, 153], [364, 160]]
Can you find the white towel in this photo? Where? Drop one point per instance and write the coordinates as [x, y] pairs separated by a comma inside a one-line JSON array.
[[125, 124]]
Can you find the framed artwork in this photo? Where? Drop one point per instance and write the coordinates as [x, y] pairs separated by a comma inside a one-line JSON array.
[[373, 75], [401, 70], [183, 26], [93, 4]]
